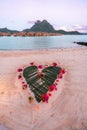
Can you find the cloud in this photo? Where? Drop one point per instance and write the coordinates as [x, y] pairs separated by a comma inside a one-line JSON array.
[[80, 28], [31, 21], [65, 28]]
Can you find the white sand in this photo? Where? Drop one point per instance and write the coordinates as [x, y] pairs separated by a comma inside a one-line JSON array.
[[67, 108]]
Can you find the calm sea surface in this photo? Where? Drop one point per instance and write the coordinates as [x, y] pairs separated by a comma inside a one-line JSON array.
[[48, 42]]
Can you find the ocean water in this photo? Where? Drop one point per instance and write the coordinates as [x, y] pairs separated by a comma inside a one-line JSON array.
[[35, 43]]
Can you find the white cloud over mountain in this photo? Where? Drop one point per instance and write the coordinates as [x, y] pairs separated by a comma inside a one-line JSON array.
[[80, 28]]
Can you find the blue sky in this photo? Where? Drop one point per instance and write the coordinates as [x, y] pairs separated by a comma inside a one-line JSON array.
[[62, 14]]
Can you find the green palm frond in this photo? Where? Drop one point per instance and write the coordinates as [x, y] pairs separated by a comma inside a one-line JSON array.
[[39, 84]]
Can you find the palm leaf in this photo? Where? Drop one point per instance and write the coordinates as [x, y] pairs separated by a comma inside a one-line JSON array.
[[40, 85]]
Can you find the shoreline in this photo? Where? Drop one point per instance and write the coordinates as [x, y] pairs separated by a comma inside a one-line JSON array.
[[77, 46], [66, 108], [42, 50], [11, 53]]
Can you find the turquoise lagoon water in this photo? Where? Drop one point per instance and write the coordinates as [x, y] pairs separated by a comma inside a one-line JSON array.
[[35, 43]]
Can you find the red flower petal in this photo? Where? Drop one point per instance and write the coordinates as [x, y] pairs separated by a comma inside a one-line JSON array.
[[19, 70], [19, 76], [32, 63], [40, 66], [51, 88], [25, 85], [54, 64], [45, 97], [57, 80], [55, 88], [50, 94], [60, 76], [40, 75], [63, 71], [56, 83], [23, 82]]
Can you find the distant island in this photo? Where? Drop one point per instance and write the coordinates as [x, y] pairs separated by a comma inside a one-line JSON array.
[[40, 28]]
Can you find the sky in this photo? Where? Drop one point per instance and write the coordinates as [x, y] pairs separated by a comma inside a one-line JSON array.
[[62, 14]]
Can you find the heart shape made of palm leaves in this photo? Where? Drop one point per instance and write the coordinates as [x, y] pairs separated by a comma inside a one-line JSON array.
[[39, 82]]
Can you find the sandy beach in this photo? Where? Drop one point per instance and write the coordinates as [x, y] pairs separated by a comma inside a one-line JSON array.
[[67, 108]]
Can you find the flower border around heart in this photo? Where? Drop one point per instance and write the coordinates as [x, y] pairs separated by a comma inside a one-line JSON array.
[[45, 97]]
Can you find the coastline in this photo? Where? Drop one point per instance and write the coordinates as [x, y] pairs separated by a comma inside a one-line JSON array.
[[67, 107], [31, 51]]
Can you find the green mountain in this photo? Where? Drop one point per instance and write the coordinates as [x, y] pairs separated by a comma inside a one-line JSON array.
[[42, 26], [68, 32], [6, 30], [39, 26]]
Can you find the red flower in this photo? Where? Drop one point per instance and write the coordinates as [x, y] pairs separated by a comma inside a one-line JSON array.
[[54, 64], [23, 82], [19, 70], [40, 75], [60, 76], [62, 71], [50, 94], [40, 66], [25, 85], [45, 97], [57, 80], [56, 83], [56, 88], [52, 87], [19, 76], [32, 63]]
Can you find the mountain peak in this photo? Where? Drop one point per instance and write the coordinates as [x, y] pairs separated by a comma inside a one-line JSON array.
[[42, 26], [38, 21], [44, 21]]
